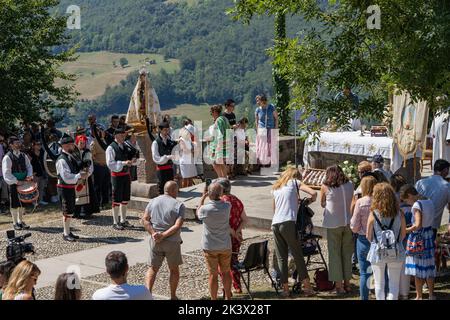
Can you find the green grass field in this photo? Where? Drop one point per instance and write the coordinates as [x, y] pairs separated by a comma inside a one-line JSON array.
[[193, 112], [95, 70]]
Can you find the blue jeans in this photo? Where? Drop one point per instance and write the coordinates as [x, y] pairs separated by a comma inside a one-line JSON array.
[[362, 249]]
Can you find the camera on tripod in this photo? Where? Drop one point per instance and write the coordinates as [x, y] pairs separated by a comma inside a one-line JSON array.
[[17, 247]]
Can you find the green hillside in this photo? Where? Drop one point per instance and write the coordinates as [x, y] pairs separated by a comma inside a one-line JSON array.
[[219, 58], [97, 70]]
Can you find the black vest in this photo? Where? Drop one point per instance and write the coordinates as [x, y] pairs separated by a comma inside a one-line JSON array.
[[71, 162], [131, 150], [121, 154], [165, 149], [18, 163]]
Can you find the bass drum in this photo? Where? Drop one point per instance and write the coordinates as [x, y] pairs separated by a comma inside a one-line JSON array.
[[49, 164]]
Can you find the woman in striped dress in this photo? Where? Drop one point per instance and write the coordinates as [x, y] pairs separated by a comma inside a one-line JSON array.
[[421, 266]]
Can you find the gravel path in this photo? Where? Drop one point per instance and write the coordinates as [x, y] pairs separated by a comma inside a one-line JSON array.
[[97, 231]]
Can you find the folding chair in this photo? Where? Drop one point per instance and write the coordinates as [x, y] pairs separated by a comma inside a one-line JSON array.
[[256, 258]]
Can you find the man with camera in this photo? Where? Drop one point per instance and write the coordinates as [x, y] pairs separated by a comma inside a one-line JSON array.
[[69, 174], [16, 168], [117, 159]]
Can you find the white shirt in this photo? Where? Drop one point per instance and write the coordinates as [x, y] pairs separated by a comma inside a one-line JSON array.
[[122, 292], [337, 209], [437, 190], [7, 168], [113, 165], [63, 170], [286, 202], [427, 212], [157, 158]]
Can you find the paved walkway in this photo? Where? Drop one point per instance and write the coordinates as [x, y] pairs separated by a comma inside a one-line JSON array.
[[92, 262]]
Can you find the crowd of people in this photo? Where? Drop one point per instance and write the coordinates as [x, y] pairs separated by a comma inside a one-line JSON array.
[[223, 219], [93, 167], [386, 226], [395, 225]]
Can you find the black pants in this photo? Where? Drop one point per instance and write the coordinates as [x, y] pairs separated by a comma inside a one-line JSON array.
[[121, 189], [163, 177], [14, 197], [102, 182], [67, 197]]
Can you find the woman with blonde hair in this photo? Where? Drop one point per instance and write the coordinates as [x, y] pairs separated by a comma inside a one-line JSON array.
[[358, 224], [286, 200], [385, 251], [22, 281]]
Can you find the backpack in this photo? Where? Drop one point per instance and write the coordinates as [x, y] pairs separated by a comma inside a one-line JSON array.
[[321, 280], [387, 249]]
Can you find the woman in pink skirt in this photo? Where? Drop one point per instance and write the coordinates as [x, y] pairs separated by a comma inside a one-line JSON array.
[[266, 118]]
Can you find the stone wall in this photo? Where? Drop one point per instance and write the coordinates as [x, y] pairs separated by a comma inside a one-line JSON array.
[[287, 154]]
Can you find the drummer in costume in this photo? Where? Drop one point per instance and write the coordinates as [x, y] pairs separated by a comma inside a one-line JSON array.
[[17, 169], [69, 175], [162, 155], [118, 159]]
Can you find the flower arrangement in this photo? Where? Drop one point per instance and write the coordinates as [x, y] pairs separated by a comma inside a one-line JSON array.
[[350, 169]]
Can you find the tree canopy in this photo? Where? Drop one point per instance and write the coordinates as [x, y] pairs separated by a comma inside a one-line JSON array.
[[28, 64], [410, 51]]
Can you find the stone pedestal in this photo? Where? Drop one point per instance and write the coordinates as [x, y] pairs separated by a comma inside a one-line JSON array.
[[146, 168], [146, 185]]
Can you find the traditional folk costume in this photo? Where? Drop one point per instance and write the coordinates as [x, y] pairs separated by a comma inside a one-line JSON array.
[[16, 167], [116, 157], [161, 149], [86, 197], [69, 175]]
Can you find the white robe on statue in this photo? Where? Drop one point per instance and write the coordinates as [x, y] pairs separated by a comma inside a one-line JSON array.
[[440, 133]]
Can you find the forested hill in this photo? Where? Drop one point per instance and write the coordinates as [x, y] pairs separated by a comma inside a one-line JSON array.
[[220, 58]]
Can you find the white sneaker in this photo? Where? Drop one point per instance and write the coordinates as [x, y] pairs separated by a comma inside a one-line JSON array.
[[43, 203], [54, 199]]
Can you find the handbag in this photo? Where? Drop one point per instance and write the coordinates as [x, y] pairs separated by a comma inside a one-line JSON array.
[[321, 280], [415, 244]]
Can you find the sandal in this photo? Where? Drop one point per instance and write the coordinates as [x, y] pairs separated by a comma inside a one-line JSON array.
[[339, 292], [309, 293]]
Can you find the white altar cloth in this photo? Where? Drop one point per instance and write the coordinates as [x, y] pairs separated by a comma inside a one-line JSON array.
[[352, 143]]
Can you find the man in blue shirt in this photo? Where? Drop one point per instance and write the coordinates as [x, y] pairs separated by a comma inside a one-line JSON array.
[[437, 189], [347, 96]]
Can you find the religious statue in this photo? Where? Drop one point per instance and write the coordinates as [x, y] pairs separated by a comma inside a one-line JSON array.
[[144, 103]]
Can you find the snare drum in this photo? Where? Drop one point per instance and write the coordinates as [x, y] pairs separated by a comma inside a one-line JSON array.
[[28, 192]]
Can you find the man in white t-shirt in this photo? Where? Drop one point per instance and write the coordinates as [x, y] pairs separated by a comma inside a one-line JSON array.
[[117, 267]]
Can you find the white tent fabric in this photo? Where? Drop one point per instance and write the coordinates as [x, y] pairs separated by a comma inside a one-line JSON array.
[[440, 133]]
